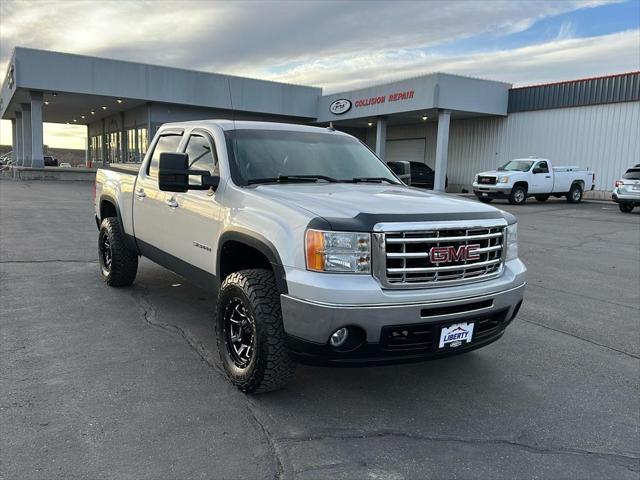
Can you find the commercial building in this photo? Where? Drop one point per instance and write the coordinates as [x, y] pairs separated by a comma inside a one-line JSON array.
[[457, 125]]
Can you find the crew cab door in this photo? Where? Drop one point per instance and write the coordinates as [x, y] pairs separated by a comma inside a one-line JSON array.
[[541, 178], [151, 214], [195, 214]]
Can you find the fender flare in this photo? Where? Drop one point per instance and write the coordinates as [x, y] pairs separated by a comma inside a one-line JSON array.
[[130, 239], [264, 246]]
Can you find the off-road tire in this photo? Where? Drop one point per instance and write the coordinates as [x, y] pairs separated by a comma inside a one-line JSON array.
[[625, 207], [485, 199], [541, 198], [270, 367], [518, 195], [575, 194], [124, 261]]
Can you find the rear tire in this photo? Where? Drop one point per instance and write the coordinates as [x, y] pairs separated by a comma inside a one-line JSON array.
[[518, 195], [118, 263], [625, 207], [575, 194], [542, 198], [250, 334]]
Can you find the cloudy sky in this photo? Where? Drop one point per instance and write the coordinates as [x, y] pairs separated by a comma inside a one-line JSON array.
[[335, 45]]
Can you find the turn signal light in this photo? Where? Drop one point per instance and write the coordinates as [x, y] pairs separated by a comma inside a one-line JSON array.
[[315, 250]]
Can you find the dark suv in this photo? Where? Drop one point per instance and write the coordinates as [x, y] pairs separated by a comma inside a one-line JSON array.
[[422, 175], [49, 161]]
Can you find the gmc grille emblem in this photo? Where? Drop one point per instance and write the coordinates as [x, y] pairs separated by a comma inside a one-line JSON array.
[[453, 254]]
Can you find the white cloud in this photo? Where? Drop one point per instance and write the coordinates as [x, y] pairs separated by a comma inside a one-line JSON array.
[[552, 61], [223, 36]]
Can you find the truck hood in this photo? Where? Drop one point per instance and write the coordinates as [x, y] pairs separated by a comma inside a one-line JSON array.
[[496, 173], [348, 200]]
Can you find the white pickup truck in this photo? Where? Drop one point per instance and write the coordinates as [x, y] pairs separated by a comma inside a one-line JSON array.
[[533, 177], [312, 248]]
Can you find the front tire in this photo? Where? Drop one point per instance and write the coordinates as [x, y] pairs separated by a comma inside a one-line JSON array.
[[250, 334], [518, 195], [575, 194], [118, 263], [625, 207]]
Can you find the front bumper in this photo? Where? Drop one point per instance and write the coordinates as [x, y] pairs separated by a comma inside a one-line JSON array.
[[499, 191], [397, 332]]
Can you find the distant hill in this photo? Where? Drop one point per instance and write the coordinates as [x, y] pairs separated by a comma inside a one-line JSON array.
[[71, 155]]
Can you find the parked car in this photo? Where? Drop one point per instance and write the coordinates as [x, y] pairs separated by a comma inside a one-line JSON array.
[[50, 161], [65, 165], [311, 246], [627, 190], [521, 178], [422, 176]]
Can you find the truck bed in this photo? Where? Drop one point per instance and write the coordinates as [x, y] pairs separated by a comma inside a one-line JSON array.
[[128, 168]]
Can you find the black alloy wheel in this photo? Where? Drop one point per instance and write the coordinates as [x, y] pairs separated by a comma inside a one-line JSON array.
[[106, 255], [239, 333]]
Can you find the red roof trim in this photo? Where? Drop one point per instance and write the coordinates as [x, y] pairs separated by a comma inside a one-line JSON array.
[[577, 80]]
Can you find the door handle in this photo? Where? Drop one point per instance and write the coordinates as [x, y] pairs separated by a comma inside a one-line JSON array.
[[171, 202], [548, 176], [140, 193]]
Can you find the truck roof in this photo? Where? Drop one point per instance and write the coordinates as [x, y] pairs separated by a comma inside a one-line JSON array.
[[248, 125]]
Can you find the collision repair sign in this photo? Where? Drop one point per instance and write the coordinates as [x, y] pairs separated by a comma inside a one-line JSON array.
[[394, 97]]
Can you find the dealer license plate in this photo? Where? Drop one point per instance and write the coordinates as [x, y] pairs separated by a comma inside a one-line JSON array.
[[455, 335]]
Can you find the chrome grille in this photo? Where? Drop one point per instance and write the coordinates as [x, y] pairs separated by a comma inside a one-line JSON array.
[[406, 261], [482, 180]]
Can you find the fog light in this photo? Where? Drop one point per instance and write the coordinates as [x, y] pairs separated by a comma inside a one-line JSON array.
[[338, 337]]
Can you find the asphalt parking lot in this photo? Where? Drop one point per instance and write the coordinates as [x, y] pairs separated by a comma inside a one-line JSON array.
[[125, 383]]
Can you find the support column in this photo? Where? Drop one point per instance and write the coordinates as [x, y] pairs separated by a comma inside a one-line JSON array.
[[87, 153], [381, 137], [26, 134], [103, 143], [37, 158], [19, 144], [124, 143], [442, 150], [14, 140]]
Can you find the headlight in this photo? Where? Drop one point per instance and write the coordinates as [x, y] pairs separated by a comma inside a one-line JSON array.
[[504, 179], [344, 252], [476, 180], [512, 242]]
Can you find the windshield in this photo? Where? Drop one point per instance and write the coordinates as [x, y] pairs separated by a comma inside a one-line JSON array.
[[517, 166], [258, 156], [632, 174]]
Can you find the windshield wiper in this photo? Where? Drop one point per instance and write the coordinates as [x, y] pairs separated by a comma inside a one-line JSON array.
[[373, 180], [291, 179]]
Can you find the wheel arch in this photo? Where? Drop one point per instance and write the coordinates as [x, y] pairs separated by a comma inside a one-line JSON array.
[[109, 208], [240, 250], [521, 183], [580, 183]]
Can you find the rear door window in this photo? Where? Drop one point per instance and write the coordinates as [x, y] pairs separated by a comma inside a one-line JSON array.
[[166, 143]]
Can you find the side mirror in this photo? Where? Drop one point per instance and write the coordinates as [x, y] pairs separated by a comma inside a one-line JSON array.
[[402, 169], [173, 174]]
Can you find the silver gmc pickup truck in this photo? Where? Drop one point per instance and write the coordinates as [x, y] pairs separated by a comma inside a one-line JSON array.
[[313, 250]]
